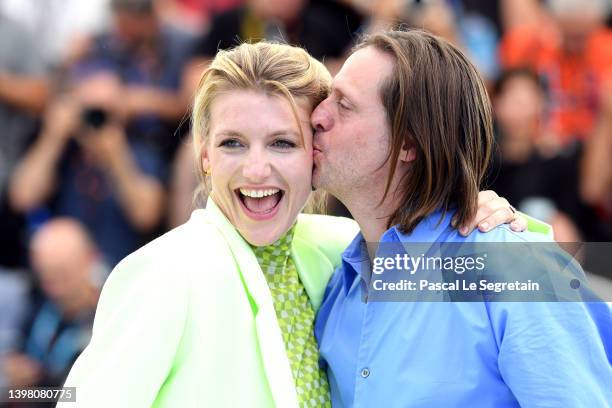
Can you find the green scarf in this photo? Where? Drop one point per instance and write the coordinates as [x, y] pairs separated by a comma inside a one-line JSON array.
[[296, 319]]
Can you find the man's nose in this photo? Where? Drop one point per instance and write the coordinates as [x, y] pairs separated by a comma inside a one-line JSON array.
[[321, 119], [257, 167]]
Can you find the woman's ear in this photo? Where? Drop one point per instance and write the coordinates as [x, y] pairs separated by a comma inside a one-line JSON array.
[[205, 162], [204, 157]]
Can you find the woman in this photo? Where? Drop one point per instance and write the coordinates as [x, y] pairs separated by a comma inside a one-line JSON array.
[[190, 319]]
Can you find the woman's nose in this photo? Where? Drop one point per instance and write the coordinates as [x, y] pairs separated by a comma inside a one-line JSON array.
[[321, 119], [257, 167]]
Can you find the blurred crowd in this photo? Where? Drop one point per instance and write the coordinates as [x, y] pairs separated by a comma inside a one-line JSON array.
[[95, 158]]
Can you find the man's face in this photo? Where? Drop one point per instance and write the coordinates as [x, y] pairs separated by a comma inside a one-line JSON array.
[[135, 29], [519, 107], [352, 136], [576, 28], [287, 11], [62, 262]]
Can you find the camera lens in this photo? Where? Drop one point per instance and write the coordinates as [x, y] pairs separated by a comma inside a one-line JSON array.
[[94, 117]]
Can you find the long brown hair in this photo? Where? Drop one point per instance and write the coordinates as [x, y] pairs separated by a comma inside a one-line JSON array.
[[436, 103]]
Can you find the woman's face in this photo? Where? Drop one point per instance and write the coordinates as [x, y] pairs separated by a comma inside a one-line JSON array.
[[260, 167]]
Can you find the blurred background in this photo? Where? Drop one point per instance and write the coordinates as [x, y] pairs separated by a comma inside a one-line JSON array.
[[95, 158]]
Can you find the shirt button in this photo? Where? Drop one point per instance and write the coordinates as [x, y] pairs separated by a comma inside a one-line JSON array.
[[365, 373]]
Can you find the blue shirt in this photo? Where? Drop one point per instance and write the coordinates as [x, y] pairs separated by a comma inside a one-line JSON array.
[[460, 354]]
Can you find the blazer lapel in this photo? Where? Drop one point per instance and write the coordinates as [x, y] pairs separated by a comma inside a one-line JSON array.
[[272, 346], [313, 268]]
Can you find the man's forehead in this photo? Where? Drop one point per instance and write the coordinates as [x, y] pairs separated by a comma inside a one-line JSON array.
[[343, 86], [363, 72]]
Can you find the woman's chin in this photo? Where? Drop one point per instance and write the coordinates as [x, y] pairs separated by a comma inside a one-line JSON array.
[[262, 233]]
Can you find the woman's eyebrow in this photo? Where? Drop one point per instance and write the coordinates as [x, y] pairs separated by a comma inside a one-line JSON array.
[[276, 133], [284, 132], [228, 132]]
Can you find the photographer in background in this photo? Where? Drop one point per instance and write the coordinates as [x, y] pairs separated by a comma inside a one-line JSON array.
[[85, 166], [148, 57]]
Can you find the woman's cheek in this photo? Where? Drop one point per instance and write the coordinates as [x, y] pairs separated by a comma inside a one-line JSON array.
[[304, 164], [301, 170]]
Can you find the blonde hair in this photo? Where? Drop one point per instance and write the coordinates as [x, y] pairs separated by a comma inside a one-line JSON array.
[[275, 69]]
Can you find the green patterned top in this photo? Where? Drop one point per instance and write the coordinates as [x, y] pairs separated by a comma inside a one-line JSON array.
[[296, 319]]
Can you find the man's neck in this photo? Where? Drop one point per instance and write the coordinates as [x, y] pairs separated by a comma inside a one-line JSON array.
[[78, 304], [364, 205], [372, 218], [372, 226]]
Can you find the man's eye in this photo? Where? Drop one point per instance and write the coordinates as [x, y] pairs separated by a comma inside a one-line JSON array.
[[343, 105], [284, 144], [230, 143]]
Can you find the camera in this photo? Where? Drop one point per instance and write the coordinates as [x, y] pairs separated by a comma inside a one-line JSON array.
[[94, 117]]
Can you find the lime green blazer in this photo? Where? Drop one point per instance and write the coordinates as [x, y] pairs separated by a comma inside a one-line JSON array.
[[188, 320]]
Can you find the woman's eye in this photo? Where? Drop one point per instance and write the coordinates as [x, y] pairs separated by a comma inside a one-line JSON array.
[[284, 144], [230, 143]]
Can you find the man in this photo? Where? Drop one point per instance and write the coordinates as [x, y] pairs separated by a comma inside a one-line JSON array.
[[70, 275], [149, 57], [90, 168], [126, 86], [408, 108]]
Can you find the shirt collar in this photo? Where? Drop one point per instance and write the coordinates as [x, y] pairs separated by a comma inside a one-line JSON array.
[[435, 227], [354, 259]]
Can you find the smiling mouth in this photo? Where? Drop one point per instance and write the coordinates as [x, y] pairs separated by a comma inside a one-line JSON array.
[[260, 203]]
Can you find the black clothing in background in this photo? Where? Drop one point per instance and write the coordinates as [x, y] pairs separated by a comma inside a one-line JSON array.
[[556, 179], [323, 31]]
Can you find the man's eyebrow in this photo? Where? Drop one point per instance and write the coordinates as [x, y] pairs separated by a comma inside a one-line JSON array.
[[341, 91]]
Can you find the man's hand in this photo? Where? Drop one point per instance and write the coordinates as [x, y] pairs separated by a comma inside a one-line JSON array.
[[107, 146], [493, 211], [146, 100], [140, 195], [61, 119], [28, 93], [21, 370], [34, 178]]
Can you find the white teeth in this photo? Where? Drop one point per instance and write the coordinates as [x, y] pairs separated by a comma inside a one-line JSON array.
[[258, 193]]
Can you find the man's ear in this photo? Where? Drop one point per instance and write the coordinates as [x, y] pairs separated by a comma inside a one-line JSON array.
[[408, 153]]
